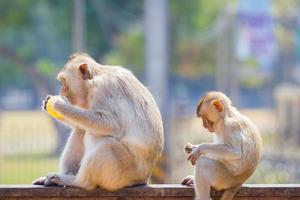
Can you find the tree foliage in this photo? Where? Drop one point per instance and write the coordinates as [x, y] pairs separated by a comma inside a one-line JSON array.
[[40, 32]]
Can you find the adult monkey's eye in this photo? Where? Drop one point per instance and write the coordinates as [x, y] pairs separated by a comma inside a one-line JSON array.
[[60, 77], [62, 81]]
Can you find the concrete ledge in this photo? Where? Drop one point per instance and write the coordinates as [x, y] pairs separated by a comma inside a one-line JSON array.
[[155, 191]]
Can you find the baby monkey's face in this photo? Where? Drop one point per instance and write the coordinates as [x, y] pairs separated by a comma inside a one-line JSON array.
[[209, 116]]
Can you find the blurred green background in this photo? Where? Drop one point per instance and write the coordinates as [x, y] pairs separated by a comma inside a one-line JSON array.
[[248, 49]]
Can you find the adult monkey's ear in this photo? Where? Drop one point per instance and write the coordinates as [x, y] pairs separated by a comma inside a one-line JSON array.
[[85, 72], [218, 105]]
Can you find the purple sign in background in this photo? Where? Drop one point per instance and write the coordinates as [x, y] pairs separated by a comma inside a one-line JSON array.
[[255, 33]]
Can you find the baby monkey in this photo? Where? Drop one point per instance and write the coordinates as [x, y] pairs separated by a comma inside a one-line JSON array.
[[234, 154]]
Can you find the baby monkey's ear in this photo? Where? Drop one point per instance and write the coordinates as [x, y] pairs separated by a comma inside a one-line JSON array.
[[218, 105], [85, 72]]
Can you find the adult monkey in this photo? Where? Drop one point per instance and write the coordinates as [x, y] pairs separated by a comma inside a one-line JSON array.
[[233, 156], [117, 132]]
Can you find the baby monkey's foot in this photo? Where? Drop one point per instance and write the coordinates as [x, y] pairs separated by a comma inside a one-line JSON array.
[[189, 148], [39, 181], [188, 181]]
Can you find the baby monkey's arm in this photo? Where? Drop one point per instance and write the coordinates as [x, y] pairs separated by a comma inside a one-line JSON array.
[[213, 151], [219, 151]]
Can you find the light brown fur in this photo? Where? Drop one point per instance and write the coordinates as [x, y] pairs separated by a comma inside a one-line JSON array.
[[117, 128], [233, 156]]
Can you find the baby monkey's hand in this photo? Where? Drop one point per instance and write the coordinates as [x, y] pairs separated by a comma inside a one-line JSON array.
[[189, 148]]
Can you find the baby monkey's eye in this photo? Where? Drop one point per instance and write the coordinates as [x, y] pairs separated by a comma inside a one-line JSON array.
[[207, 120]]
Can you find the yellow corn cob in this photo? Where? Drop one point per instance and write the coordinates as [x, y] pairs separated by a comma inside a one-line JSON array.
[[49, 107]]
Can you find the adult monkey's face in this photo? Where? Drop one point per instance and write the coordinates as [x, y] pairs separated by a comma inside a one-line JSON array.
[[73, 78]]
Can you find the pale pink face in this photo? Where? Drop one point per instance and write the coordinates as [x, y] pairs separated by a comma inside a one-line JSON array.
[[72, 86], [209, 116]]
